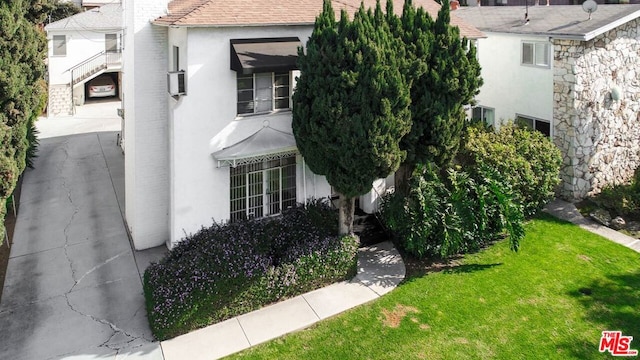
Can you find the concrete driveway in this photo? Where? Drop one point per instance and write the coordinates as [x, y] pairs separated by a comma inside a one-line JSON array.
[[73, 288]]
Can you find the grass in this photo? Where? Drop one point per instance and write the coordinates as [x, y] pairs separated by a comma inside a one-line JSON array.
[[551, 300]]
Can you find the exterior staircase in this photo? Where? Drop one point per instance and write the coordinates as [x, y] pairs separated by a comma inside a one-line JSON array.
[[94, 65], [62, 98]]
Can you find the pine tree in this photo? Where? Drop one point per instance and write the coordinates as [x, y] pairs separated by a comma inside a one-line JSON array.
[[47, 11], [22, 90], [351, 105]]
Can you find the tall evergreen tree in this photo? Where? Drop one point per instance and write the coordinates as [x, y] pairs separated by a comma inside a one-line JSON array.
[[444, 75], [47, 11], [351, 105], [22, 90]]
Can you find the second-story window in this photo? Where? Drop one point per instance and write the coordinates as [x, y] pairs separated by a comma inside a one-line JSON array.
[[59, 45], [536, 54], [263, 92], [111, 43]]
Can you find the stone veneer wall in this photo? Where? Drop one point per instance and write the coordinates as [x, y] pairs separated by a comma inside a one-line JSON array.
[[59, 101], [599, 137]]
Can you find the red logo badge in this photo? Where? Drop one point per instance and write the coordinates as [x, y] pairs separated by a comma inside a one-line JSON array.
[[617, 344]]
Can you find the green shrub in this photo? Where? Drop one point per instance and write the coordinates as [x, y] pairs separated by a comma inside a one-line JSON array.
[[528, 159], [229, 269], [34, 142], [453, 213]]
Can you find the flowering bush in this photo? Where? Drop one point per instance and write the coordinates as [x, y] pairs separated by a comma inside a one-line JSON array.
[[230, 269]]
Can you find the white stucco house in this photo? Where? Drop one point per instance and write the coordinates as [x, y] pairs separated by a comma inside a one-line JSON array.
[[575, 79], [207, 97], [81, 47], [540, 2]]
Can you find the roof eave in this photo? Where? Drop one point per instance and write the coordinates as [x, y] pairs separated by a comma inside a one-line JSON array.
[[612, 25], [311, 23], [85, 29], [176, 25]]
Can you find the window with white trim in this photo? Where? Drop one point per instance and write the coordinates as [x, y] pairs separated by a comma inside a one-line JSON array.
[[262, 189], [536, 54], [263, 92], [544, 126], [111, 43], [487, 115], [59, 45]]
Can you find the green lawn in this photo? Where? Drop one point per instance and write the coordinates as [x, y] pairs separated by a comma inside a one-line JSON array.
[[496, 305]]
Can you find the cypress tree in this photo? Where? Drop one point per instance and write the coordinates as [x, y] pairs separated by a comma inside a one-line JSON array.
[[444, 75], [22, 91], [351, 105]]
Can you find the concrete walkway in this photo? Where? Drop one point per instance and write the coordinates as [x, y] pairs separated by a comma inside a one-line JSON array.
[[73, 288], [380, 270], [567, 211]]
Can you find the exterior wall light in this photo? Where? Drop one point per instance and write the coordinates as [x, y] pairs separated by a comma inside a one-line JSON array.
[[616, 93]]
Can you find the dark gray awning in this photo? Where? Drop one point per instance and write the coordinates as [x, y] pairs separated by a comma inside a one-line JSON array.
[[250, 56]]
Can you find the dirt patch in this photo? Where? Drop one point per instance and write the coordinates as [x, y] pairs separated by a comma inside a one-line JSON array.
[[393, 318], [584, 257]]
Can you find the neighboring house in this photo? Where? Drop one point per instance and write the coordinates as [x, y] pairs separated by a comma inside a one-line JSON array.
[[78, 3], [574, 79], [90, 4], [219, 145], [81, 47], [542, 2]]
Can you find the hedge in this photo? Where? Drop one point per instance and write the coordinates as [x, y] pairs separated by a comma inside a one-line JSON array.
[[230, 269]]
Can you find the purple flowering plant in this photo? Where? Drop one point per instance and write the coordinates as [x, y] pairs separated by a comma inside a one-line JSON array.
[[229, 269]]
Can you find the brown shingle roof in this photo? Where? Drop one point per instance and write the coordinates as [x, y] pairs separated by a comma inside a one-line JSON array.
[[200, 13]]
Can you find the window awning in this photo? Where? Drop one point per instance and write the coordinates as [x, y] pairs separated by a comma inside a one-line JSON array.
[[265, 144], [250, 56]]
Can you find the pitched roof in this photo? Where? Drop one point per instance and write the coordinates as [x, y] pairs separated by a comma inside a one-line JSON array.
[[105, 17], [217, 13], [558, 21]]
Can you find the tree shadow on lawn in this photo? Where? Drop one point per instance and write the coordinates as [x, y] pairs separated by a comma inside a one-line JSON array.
[[612, 303], [417, 268]]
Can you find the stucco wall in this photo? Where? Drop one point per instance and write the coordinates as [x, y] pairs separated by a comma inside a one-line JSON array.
[[81, 45], [146, 124], [200, 189], [509, 87], [598, 136]]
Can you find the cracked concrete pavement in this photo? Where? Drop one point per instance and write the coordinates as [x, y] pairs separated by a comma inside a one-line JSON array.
[[73, 288]]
